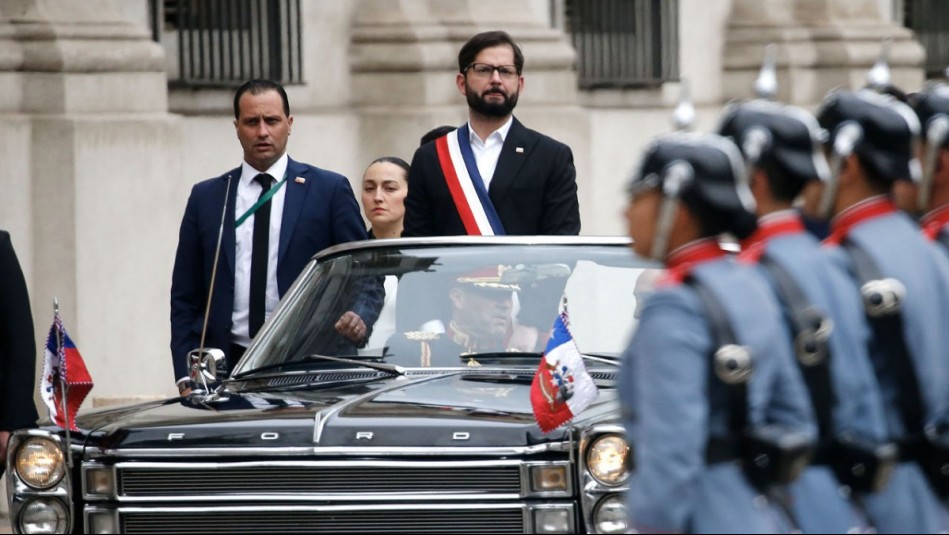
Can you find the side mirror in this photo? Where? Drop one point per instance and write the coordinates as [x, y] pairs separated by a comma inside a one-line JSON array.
[[206, 366]]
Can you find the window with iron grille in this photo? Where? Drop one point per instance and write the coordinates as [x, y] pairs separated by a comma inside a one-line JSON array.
[[929, 19], [624, 43], [223, 43]]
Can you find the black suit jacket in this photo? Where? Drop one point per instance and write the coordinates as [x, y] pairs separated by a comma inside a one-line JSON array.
[[320, 211], [17, 344], [534, 190]]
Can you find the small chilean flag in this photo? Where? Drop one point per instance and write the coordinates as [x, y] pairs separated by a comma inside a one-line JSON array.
[[562, 388], [63, 366]]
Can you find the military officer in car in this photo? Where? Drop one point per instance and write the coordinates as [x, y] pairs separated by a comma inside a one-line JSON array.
[[823, 313], [482, 320], [904, 282], [708, 376]]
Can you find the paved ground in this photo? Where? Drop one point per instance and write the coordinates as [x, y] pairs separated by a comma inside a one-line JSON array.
[[5, 524]]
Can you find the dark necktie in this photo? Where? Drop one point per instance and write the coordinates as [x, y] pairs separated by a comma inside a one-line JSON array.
[[258, 260]]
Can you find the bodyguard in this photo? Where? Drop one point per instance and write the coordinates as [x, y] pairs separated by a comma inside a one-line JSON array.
[[823, 312], [708, 375], [903, 282]]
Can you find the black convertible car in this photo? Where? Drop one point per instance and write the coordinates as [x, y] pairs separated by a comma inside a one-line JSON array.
[[424, 425]]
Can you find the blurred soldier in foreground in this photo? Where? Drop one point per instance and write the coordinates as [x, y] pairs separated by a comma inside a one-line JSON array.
[[823, 313], [708, 381], [905, 287], [932, 109]]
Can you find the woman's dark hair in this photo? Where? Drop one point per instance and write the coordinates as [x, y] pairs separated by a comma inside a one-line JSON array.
[[483, 40], [256, 87], [395, 160]]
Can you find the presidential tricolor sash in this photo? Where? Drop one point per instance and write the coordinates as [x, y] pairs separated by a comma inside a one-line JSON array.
[[466, 186]]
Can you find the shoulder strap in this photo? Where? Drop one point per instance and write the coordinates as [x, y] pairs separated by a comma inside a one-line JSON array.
[[729, 368], [811, 330], [884, 314]]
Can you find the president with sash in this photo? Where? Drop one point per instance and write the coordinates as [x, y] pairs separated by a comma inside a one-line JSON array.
[[492, 176]]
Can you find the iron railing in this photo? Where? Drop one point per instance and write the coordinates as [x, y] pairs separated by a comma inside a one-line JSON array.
[[929, 19], [624, 43], [222, 43]]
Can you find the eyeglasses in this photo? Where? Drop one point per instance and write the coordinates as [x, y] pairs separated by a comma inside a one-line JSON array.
[[483, 70]]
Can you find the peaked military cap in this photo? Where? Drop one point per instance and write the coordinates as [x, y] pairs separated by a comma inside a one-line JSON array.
[[707, 173], [929, 105], [888, 130], [788, 138]]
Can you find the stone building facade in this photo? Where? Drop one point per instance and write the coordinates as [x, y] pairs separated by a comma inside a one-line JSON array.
[[100, 152]]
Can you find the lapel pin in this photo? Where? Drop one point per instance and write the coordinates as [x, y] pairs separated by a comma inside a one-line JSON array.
[[519, 150], [300, 180]]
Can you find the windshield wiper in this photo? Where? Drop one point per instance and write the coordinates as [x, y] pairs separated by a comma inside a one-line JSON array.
[[474, 359], [612, 360], [381, 366], [349, 359]]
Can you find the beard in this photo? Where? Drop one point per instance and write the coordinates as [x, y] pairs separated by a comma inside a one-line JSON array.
[[491, 109]]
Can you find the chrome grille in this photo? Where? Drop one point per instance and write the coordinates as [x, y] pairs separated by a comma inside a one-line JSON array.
[[318, 480], [369, 480], [486, 519]]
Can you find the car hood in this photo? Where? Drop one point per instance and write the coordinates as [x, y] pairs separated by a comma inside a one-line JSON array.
[[449, 409]]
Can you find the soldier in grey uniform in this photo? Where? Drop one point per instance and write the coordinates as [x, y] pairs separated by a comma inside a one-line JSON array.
[[708, 381], [904, 283], [932, 109], [823, 312]]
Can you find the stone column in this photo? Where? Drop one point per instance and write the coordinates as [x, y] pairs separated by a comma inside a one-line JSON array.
[[404, 60], [821, 44], [88, 148]]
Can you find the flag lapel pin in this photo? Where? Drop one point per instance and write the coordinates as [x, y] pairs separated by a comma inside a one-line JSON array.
[[519, 150], [300, 180]]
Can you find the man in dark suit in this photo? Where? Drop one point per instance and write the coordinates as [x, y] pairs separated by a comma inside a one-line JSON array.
[[17, 348], [494, 175], [279, 213]]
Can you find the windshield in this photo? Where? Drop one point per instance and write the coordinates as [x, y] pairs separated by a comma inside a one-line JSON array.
[[443, 306]]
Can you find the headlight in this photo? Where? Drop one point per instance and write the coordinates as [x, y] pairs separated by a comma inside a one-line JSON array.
[[43, 515], [607, 460], [610, 515], [39, 463]]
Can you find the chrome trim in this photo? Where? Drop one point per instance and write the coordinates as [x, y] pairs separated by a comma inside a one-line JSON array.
[[591, 490], [91, 509], [571, 516], [439, 241], [525, 509], [334, 450], [524, 475], [19, 493], [92, 465], [526, 480]]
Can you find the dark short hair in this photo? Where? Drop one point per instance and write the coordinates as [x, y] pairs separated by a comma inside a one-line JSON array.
[[436, 133], [483, 40], [256, 87], [395, 160]]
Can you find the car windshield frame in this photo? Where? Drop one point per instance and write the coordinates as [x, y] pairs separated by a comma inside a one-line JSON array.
[[301, 292]]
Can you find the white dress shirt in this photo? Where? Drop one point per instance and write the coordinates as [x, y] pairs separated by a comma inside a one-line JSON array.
[[248, 191], [487, 152]]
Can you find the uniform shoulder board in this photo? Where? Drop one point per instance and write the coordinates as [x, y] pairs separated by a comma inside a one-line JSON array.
[[421, 336]]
